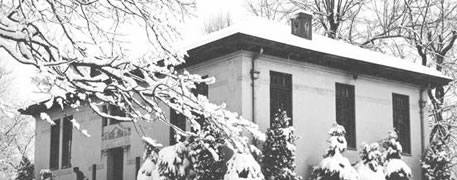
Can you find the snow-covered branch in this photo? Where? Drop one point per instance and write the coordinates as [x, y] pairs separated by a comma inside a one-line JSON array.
[[79, 48]]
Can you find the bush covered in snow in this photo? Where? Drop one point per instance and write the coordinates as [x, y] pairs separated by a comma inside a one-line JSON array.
[[394, 167], [243, 166], [149, 170], [206, 155], [437, 162], [201, 156], [173, 162], [335, 166], [370, 166], [46, 174], [25, 171], [279, 150]]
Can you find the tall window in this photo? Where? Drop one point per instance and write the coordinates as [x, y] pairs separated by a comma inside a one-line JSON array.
[[178, 120], [67, 131], [280, 94], [114, 111], [200, 89], [400, 111], [54, 151], [65, 126], [345, 111]]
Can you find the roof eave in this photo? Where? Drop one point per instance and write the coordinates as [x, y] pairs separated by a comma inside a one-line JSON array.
[[232, 42]]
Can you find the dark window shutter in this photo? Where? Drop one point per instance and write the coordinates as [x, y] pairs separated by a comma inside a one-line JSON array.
[[54, 151], [137, 165], [345, 111], [67, 133], [94, 172], [280, 94], [178, 120], [402, 120], [105, 120], [200, 89]]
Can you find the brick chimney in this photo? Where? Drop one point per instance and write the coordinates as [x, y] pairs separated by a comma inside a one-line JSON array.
[[302, 25]]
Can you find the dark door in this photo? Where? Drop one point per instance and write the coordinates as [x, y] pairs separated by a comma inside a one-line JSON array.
[[115, 164]]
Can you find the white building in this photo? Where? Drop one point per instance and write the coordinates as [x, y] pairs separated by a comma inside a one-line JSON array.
[[260, 67]]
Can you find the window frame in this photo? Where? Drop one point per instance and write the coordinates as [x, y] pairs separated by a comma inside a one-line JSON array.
[[67, 139], [54, 151], [178, 120], [406, 114], [200, 89], [281, 83], [345, 105]]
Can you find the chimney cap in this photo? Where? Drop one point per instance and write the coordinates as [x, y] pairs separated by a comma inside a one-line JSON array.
[[299, 13], [301, 25]]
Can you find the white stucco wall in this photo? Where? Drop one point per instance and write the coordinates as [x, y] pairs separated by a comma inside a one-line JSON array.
[[313, 102], [87, 151], [313, 106], [228, 73], [313, 99]]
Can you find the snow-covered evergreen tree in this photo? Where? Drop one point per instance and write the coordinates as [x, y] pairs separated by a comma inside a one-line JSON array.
[[243, 166], [25, 170], [394, 167], [335, 166], [173, 162], [206, 155], [149, 170], [279, 150], [437, 162], [370, 167]]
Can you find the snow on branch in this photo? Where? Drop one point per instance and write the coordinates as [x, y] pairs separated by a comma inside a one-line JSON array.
[[80, 49]]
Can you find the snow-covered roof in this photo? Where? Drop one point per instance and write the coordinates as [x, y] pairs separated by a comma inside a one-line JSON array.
[[280, 33]]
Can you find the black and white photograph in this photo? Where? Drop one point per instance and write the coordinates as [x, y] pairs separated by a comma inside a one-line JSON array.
[[228, 90]]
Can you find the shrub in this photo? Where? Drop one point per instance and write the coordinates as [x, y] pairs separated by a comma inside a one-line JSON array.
[[394, 168], [335, 166], [370, 167], [25, 170], [279, 150]]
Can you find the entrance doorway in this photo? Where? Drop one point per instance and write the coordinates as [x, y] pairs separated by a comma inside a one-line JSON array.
[[115, 164]]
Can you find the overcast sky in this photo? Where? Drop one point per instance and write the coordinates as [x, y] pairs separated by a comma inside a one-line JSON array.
[[207, 8], [22, 88]]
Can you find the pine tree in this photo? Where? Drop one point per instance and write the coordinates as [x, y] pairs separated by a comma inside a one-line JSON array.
[[279, 150], [437, 162], [370, 167], [243, 166], [25, 171], [335, 166], [206, 154], [149, 169], [173, 162], [394, 167]]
